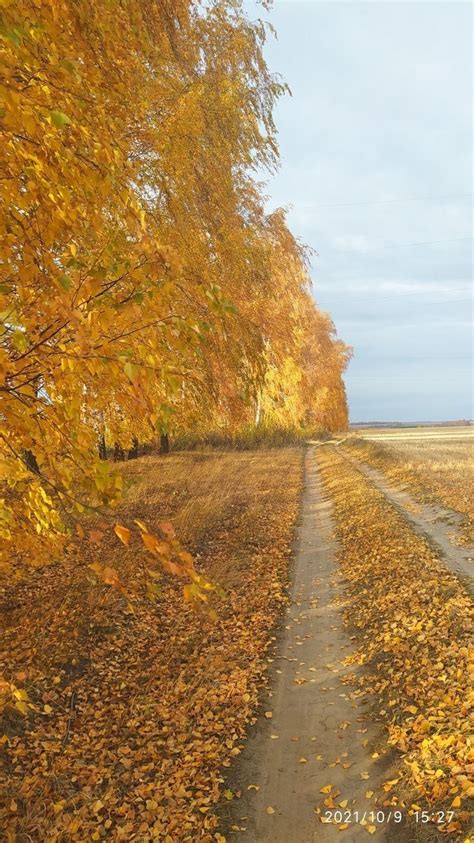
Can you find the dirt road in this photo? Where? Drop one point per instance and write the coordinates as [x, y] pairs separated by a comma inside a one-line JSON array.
[[435, 522], [315, 734]]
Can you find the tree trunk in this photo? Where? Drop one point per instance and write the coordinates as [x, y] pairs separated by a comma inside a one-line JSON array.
[[118, 452], [133, 451], [258, 410], [30, 461], [164, 443], [102, 447]]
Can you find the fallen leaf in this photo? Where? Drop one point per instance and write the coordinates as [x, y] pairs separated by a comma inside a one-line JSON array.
[[123, 533]]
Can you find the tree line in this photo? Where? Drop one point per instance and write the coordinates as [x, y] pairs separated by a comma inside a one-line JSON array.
[[144, 291]]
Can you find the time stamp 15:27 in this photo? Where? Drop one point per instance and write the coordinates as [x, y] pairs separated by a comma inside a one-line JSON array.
[[380, 816]]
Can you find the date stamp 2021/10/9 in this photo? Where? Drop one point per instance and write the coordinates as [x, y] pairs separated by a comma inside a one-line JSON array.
[[379, 817]]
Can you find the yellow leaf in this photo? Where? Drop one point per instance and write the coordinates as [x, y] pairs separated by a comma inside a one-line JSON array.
[[20, 694], [151, 804], [456, 803], [47, 709], [371, 829], [110, 576], [270, 810], [167, 529], [123, 533], [141, 525], [343, 826], [326, 789], [151, 542]]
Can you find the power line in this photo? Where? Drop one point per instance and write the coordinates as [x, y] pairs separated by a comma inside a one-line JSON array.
[[398, 294], [426, 242], [411, 357], [398, 245], [432, 301], [386, 201]]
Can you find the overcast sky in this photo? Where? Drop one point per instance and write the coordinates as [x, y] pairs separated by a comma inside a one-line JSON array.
[[376, 146]]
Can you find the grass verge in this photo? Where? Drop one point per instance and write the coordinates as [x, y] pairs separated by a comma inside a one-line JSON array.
[[413, 621], [137, 712], [435, 472]]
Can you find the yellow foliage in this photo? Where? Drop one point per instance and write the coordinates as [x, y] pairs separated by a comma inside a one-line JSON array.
[[142, 287]]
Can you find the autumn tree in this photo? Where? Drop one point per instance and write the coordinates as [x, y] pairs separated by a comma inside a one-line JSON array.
[[140, 284]]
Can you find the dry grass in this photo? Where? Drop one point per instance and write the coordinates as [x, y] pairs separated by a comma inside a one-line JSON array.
[[439, 471], [136, 712]]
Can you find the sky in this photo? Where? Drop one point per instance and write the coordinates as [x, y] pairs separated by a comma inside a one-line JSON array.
[[376, 171]]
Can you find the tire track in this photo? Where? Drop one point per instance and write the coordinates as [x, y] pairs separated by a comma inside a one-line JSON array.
[[317, 732], [434, 522]]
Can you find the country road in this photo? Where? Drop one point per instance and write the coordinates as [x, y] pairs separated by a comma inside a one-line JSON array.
[[436, 523], [314, 754], [318, 734]]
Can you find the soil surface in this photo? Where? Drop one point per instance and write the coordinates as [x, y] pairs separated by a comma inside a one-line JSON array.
[[312, 718]]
